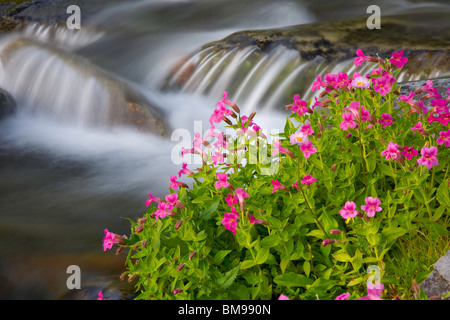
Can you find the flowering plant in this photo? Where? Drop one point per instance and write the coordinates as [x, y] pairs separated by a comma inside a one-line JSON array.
[[302, 217]]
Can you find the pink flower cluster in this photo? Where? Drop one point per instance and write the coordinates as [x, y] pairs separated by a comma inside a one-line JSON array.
[[427, 159], [371, 207]]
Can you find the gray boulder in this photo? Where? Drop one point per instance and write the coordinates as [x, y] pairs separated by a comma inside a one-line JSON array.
[[438, 282]]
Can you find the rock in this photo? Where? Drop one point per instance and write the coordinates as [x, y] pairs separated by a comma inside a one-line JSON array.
[[111, 287], [123, 104], [7, 104], [438, 282]]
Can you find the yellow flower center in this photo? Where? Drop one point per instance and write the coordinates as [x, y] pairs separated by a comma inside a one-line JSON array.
[[360, 83], [298, 139]]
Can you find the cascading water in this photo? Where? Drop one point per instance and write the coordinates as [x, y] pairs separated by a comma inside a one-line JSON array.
[[77, 156]]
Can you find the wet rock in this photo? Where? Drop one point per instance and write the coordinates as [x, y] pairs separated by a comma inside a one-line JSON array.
[[7, 104], [122, 103], [338, 40], [111, 287], [438, 282]]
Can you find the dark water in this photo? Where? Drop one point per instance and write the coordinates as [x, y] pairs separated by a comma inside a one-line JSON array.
[[63, 180]]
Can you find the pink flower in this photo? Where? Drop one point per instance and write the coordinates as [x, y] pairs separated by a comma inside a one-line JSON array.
[[151, 199], [279, 149], [318, 84], [229, 220], [109, 239], [391, 151], [317, 103], [349, 210], [283, 297], [408, 98], [371, 206], [428, 158], [398, 60], [100, 296], [299, 106], [343, 296], [297, 138], [348, 121], [439, 106], [356, 108], [382, 85], [164, 209], [308, 149], [373, 291], [221, 110], [360, 82], [217, 158], [222, 183], [444, 138], [418, 127], [409, 152], [386, 120], [257, 221], [360, 58], [307, 130], [241, 195], [276, 185], [173, 182], [231, 199], [308, 179], [184, 170]]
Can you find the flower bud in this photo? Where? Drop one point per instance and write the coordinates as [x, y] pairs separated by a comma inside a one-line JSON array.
[[180, 267], [132, 276], [144, 243], [328, 241], [192, 254], [227, 121], [235, 108], [142, 220], [178, 290], [139, 228], [333, 167], [123, 275], [178, 224], [335, 231], [119, 250]]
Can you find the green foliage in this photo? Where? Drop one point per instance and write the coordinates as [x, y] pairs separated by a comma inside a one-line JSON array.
[[285, 239]]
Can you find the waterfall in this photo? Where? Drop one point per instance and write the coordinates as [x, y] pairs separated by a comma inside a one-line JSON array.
[[260, 80]]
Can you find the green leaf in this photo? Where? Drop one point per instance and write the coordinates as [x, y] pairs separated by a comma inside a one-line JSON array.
[[386, 169], [207, 213], [284, 262], [270, 241], [220, 255], [201, 236], [371, 162], [392, 233], [291, 279], [342, 257], [262, 255], [442, 194], [247, 264], [355, 282], [228, 278], [307, 267]]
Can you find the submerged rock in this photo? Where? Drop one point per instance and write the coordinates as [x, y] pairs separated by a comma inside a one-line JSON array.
[[7, 104]]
